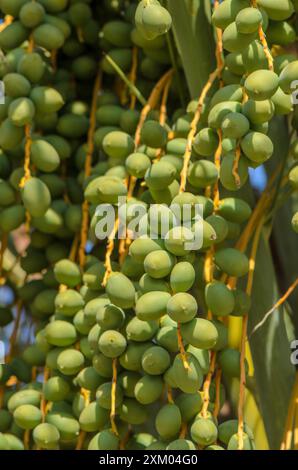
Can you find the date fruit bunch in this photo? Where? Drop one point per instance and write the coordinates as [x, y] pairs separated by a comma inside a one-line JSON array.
[[123, 343]]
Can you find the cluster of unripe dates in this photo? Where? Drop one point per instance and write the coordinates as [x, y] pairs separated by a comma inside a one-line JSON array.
[[128, 338]]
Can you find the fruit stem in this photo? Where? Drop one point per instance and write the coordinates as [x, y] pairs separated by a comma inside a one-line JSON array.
[[181, 347], [163, 112], [250, 279], [27, 172], [170, 394], [207, 383], [263, 40], [217, 161], [278, 304], [151, 104], [133, 89], [8, 19], [81, 440], [193, 128], [14, 334], [183, 431], [27, 439], [236, 165], [122, 251], [125, 439], [163, 107], [219, 49], [4, 242], [88, 163], [33, 373], [258, 211], [208, 265], [30, 44], [133, 75], [74, 248], [54, 59], [293, 410], [28, 144], [43, 403], [296, 428], [109, 252], [217, 392], [113, 398]]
